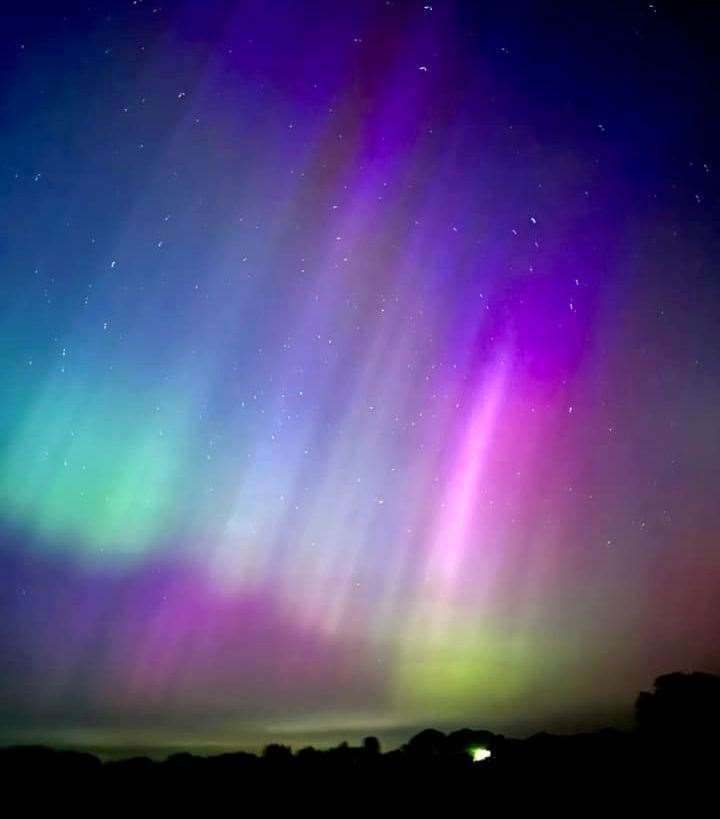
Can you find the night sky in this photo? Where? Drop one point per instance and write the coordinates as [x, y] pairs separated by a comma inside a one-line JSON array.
[[360, 367]]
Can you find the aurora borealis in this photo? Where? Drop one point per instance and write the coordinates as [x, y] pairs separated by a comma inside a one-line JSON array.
[[359, 367]]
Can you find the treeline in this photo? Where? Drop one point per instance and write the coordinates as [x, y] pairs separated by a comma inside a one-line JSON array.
[[675, 740]]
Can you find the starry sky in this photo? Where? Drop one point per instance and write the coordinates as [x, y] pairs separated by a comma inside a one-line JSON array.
[[360, 367]]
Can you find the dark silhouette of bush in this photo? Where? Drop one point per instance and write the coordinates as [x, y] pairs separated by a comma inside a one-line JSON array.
[[427, 743]]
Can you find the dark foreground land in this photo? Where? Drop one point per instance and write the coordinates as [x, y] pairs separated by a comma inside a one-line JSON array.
[[672, 754]]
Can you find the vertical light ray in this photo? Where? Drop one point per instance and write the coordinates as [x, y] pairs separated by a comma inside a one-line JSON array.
[[458, 510]]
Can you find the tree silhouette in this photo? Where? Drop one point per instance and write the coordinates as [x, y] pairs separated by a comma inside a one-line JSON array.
[[681, 707], [429, 742], [371, 746], [277, 754]]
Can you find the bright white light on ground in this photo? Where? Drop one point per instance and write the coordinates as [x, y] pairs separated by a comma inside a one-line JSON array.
[[479, 754]]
